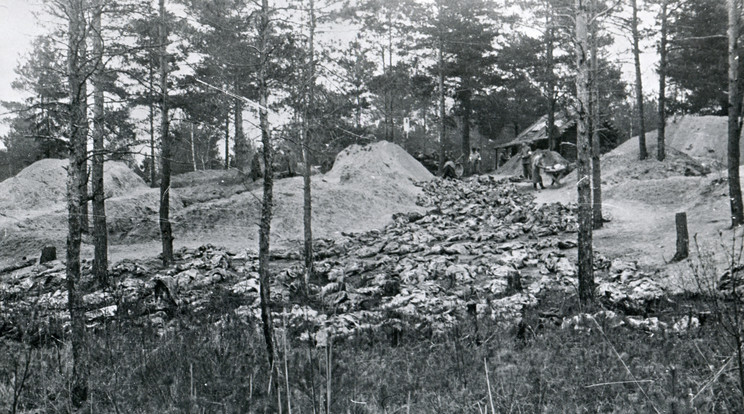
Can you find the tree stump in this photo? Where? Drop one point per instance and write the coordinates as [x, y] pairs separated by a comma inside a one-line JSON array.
[[683, 238], [48, 253]]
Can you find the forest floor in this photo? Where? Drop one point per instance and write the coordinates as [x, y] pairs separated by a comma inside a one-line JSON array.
[[422, 286]]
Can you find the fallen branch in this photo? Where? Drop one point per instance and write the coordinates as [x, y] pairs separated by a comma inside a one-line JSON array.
[[616, 383], [17, 265]]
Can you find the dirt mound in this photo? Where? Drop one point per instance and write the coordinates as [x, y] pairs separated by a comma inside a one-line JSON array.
[[44, 184], [622, 164], [511, 167], [667, 192], [379, 160], [704, 137], [362, 191]]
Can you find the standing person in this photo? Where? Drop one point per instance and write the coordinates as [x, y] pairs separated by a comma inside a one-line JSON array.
[[256, 171], [525, 153], [477, 163], [472, 161], [503, 158]]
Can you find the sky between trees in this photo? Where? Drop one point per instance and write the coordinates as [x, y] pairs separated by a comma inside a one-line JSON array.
[[19, 26]]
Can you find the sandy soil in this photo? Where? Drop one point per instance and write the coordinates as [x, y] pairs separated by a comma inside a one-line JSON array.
[[640, 200], [369, 184], [366, 186]]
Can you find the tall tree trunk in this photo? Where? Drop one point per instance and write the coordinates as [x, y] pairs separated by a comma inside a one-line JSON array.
[[585, 256], [268, 187], [642, 152], [84, 196], [166, 232], [307, 216], [386, 97], [734, 109], [597, 221], [440, 76], [550, 77], [151, 117], [76, 184], [241, 145], [466, 109], [661, 136], [390, 70], [193, 148], [100, 231], [227, 141], [151, 106]]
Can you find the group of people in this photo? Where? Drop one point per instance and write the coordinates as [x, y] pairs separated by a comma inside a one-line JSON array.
[[475, 163], [452, 169], [535, 164]]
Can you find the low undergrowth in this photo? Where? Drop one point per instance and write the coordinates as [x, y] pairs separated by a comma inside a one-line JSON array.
[[219, 366]]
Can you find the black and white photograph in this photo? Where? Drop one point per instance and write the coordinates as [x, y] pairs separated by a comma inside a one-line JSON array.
[[371, 206]]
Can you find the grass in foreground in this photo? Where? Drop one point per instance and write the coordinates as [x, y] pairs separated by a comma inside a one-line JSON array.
[[207, 366]]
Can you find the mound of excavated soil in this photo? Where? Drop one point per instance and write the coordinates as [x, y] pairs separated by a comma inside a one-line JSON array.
[[362, 191], [622, 164], [513, 166], [44, 184], [377, 161], [32, 206], [702, 137]]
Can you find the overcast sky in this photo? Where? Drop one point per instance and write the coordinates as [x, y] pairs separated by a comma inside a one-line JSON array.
[[18, 27]]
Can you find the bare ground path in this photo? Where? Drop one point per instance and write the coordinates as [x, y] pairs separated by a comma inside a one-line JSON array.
[[641, 227]]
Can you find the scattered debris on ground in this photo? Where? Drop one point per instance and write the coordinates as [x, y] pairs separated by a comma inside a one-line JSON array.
[[477, 249]]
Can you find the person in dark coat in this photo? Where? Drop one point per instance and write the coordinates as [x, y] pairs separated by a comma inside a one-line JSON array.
[[256, 171], [449, 170]]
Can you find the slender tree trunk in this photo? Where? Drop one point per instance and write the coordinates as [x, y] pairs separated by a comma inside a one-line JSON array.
[[84, 196], [268, 187], [386, 97], [166, 233], [642, 152], [100, 231], [550, 127], [585, 256], [307, 195], [358, 115], [151, 118], [193, 148], [390, 70], [440, 75], [151, 107], [76, 184], [466, 109], [241, 146], [227, 141], [661, 136], [734, 109], [597, 221]]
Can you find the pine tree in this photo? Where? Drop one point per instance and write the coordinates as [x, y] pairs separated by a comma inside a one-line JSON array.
[[585, 259], [642, 152], [166, 231], [100, 230], [734, 111]]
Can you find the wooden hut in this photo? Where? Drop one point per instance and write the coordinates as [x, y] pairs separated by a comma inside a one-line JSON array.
[[536, 136]]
